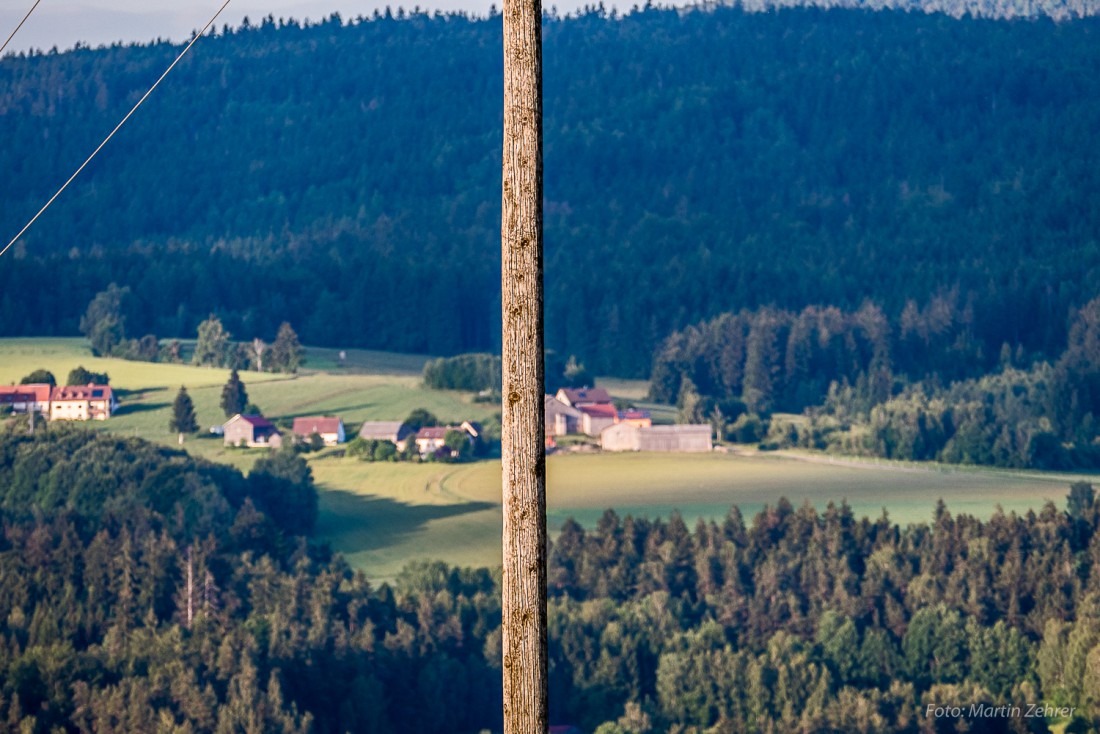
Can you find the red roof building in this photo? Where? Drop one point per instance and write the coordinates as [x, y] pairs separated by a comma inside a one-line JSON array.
[[330, 429], [22, 398], [82, 403], [595, 418]]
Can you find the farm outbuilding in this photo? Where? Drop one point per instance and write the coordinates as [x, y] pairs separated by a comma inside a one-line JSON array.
[[393, 431], [253, 431], [629, 437]]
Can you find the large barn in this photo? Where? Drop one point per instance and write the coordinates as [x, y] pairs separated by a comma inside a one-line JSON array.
[[630, 437]]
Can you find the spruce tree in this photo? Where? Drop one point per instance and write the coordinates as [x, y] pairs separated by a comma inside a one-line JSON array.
[[183, 415], [234, 396]]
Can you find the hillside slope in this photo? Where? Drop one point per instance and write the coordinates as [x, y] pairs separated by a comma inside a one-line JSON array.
[[346, 176]]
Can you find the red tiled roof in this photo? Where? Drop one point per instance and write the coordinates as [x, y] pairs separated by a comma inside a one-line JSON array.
[[39, 393], [628, 415], [599, 411], [81, 392], [316, 424]]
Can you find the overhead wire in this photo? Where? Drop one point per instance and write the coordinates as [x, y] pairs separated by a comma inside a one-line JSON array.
[[19, 26], [83, 165]]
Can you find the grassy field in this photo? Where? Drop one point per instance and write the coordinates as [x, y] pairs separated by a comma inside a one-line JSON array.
[[383, 515], [365, 386]]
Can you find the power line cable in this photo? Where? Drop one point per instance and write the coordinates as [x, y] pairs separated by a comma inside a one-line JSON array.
[[19, 26], [119, 125]]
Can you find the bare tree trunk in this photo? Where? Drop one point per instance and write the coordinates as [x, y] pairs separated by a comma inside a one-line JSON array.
[[523, 432], [190, 588]]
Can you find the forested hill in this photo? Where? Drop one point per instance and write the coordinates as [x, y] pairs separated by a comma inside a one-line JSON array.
[[346, 177], [144, 591]]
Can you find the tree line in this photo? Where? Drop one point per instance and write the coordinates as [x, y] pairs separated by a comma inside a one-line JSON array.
[[104, 325], [920, 388], [77, 376], [145, 590], [482, 373]]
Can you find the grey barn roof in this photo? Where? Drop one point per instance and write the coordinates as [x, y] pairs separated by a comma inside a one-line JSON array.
[[383, 430]]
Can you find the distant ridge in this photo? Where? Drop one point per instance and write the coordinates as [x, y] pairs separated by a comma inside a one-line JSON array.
[[1000, 9]]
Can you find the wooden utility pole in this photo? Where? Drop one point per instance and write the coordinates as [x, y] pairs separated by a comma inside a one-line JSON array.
[[523, 435]]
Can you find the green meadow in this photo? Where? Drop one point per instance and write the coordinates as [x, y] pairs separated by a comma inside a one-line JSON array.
[[383, 515], [364, 386]]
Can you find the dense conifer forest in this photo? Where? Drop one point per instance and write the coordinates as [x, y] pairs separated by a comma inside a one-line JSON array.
[[143, 590], [922, 388], [345, 177]]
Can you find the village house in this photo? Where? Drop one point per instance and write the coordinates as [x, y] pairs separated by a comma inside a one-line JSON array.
[[24, 398], [630, 437], [581, 396], [432, 440], [253, 431], [596, 417], [393, 431], [429, 440], [561, 419], [330, 429], [82, 403]]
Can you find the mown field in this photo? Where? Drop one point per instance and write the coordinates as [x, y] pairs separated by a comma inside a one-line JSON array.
[[383, 515]]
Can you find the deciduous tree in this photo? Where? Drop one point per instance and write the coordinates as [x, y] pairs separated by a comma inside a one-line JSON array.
[[213, 343], [286, 352], [103, 322], [40, 376]]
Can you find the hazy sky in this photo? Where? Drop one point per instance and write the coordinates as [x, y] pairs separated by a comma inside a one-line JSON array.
[[62, 23]]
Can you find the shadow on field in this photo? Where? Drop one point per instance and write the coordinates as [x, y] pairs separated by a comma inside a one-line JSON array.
[[352, 523], [122, 392], [128, 408]]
